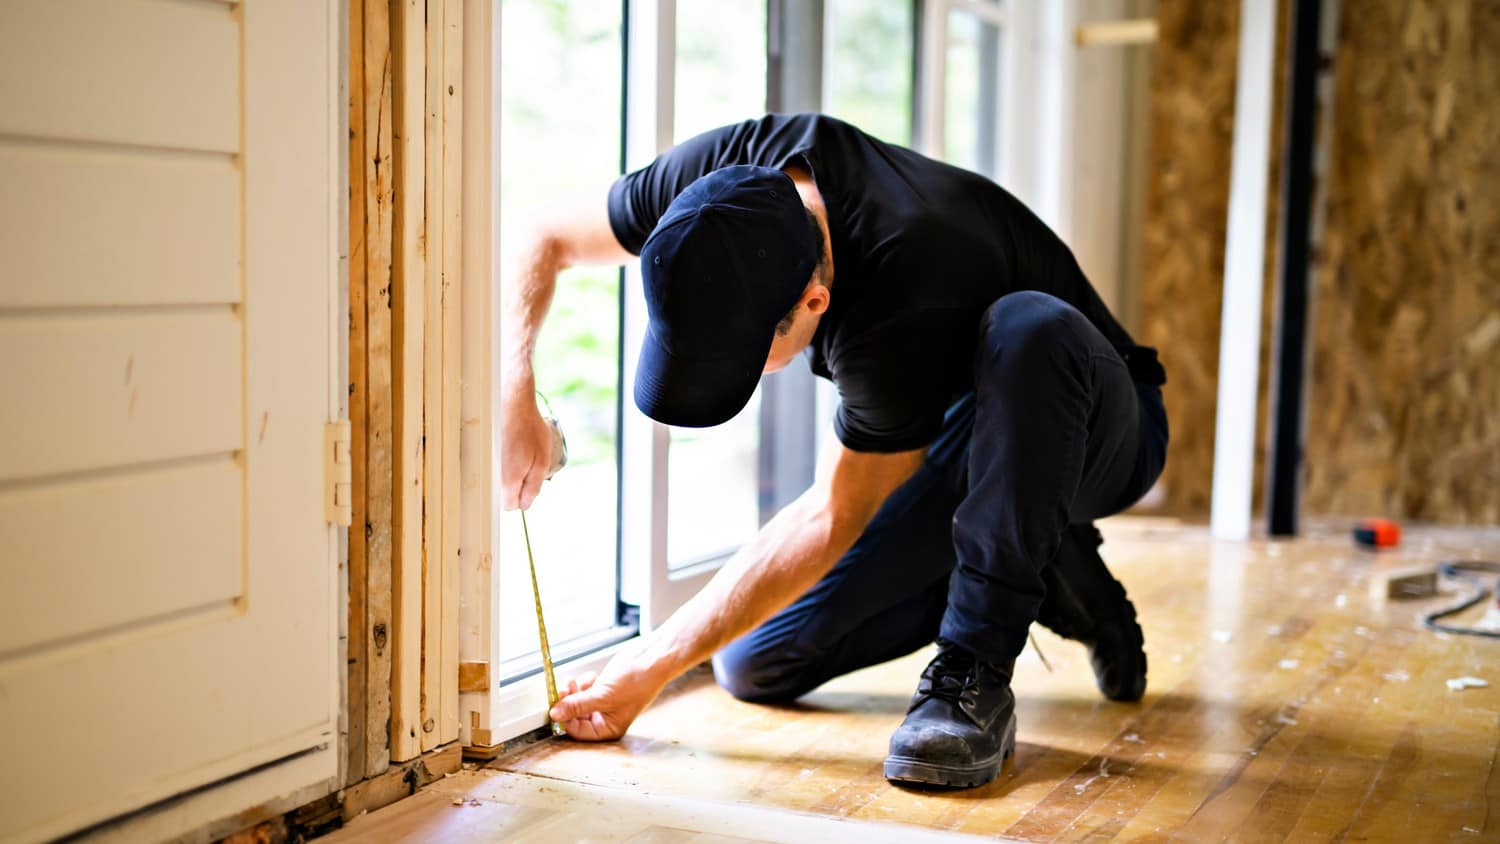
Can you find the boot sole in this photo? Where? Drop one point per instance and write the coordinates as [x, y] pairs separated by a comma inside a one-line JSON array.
[[1135, 643], [905, 769]]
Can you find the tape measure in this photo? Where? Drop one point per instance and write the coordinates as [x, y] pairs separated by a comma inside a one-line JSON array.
[[541, 632], [559, 460]]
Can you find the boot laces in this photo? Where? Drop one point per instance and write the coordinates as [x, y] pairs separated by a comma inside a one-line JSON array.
[[953, 676]]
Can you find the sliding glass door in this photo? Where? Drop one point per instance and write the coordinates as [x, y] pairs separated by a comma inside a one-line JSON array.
[[560, 125]]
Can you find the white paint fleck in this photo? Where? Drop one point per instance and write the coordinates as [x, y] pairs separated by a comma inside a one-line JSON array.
[[1288, 664], [1134, 738], [1103, 774], [1397, 676], [1222, 636], [1458, 684]]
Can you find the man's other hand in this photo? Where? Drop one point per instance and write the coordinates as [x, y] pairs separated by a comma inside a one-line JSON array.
[[602, 707], [525, 453]]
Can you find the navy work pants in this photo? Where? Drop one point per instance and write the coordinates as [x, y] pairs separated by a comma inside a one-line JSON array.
[[1056, 432]]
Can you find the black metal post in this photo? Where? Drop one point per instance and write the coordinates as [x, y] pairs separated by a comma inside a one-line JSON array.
[[1290, 366]]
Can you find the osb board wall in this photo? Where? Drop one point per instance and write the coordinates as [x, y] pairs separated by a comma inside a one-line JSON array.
[[1187, 195], [1404, 410]]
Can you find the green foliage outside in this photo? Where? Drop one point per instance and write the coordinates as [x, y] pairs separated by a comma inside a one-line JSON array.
[[869, 66], [560, 130]]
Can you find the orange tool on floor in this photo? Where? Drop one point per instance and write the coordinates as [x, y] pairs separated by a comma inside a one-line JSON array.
[[1378, 533]]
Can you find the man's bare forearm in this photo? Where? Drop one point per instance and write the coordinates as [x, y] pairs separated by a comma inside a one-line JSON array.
[[527, 295], [573, 231], [784, 559]]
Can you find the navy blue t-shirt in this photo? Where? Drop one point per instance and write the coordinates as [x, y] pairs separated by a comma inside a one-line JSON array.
[[920, 250]]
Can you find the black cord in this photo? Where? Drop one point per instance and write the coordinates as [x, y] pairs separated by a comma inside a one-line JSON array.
[[1456, 570]]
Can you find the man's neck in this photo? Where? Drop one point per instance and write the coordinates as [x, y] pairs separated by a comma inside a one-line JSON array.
[[807, 189]]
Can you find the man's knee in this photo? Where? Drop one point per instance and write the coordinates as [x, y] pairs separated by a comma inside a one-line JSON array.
[[1028, 321], [760, 675]]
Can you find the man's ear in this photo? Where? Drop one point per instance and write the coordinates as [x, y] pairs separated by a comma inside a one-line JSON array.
[[815, 298]]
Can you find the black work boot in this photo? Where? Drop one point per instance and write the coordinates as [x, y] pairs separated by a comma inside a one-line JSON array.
[[1086, 603], [961, 724]]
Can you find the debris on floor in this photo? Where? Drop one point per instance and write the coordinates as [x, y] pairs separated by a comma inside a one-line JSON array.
[[1458, 684], [1288, 664], [1103, 774], [1222, 636]]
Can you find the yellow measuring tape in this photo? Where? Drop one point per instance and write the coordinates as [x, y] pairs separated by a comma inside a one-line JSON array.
[[541, 632]]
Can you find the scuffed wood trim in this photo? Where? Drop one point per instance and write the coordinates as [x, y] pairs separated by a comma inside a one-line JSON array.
[[401, 780]]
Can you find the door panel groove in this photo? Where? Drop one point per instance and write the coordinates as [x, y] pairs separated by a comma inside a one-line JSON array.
[[122, 148], [32, 657], [18, 313], [13, 485]]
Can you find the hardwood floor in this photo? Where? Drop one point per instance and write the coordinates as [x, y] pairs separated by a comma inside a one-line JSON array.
[[1286, 702]]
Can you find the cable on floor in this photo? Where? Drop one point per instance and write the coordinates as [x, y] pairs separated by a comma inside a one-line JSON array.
[[1467, 571]]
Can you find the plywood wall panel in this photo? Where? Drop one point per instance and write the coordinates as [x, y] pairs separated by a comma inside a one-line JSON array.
[[1192, 124], [1182, 291], [1404, 408], [1405, 319]]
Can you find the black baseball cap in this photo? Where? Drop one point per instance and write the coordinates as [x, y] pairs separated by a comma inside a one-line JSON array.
[[728, 259]]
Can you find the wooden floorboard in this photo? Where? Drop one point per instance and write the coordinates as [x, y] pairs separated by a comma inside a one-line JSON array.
[[1286, 702]]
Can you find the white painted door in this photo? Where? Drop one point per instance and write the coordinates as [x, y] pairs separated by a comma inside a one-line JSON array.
[[168, 303]]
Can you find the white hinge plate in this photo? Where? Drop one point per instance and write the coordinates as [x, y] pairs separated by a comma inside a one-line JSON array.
[[338, 470]]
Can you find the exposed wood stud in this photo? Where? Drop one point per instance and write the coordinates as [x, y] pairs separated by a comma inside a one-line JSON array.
[[358, 391], [408, 45], [379, 196], [452, 363], [432, 377]]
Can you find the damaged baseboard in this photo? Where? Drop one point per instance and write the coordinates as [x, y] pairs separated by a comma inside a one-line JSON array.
[[401, 779]]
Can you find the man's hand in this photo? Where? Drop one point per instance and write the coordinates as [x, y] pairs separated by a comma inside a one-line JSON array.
[[602, 707], [525, 452]]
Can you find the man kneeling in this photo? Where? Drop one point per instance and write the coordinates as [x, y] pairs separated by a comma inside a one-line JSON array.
[[990, 408]]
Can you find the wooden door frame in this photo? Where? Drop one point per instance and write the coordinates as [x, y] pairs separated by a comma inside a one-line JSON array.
[[406, 252]]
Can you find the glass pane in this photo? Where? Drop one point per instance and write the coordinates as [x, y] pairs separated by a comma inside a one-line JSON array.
[[721, 64], [560, 103], [869, 66], [713, 492], [713, 502], [971, 106]]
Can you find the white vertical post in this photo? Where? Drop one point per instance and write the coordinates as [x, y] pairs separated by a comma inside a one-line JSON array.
[[1037, 109], [933, 78], [1244, 269], [650, 87], [479, 392]]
